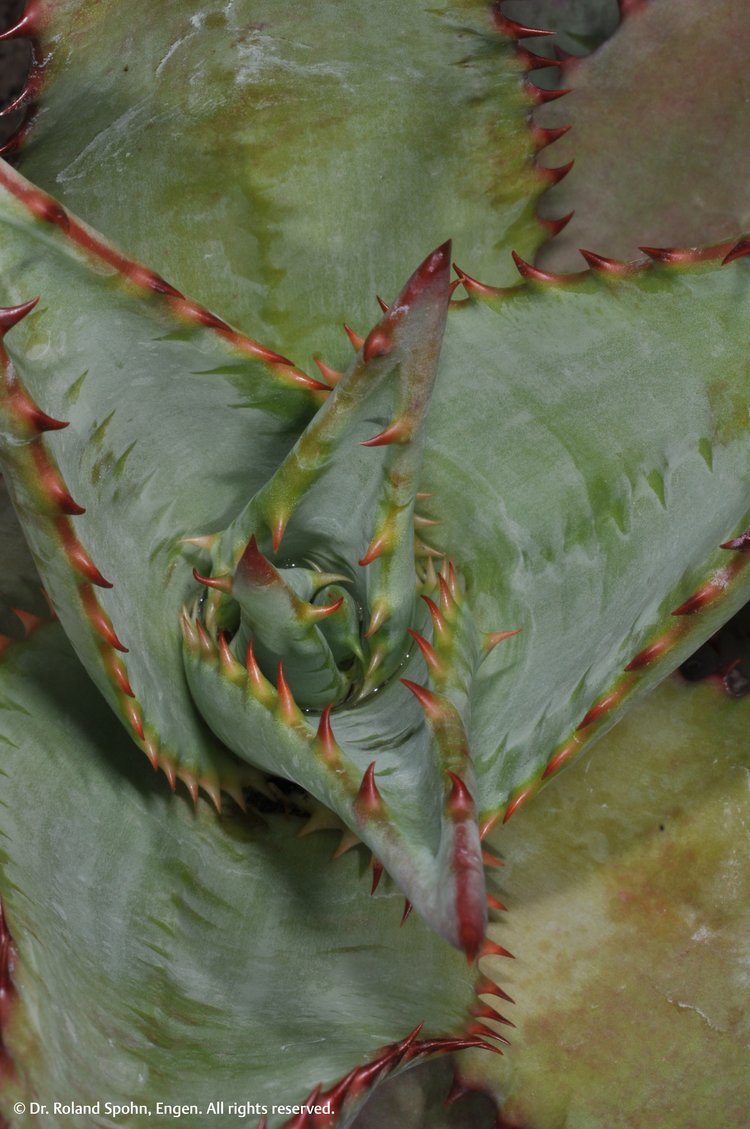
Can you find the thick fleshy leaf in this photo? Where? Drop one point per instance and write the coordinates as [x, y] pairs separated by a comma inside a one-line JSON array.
[[288, 161], [335, 494], [628, 891], [157, 425], [590, 555], [659, 117], [577, 520], [167, 955]]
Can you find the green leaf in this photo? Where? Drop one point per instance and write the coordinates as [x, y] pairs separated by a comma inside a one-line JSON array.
[[615, 468], [170, 424], [288, 163], [166, 954]]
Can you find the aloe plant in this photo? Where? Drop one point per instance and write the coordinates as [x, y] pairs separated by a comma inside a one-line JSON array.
[[390, 587]]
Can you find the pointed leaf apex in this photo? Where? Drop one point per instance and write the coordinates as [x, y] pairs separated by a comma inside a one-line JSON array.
[[255, 566], [435, 267], [11, 315]]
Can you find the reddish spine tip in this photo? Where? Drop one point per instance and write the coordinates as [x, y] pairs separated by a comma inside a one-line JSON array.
[[330, 375], [559, 759], [379, 343], [11, 315], [428, 651], [513, 29], [699, 599], [491, 949], [407, 910], [356, 340], [555, 226], [518, 800], [648, 655], [534, 274], [539, 96], [495, 903], [601, 707], [740, 544], [437, 619], [277, 534], [325, 733], [225, 655], [377, 874], [544, 136], [251, 664], [429, 702], [554, 175], [396, 432], [376, 549], [288, 704], [384, 307], [661, 254], [220, 583], [738, 251], [614, 267], [368, 801], [460, 803]]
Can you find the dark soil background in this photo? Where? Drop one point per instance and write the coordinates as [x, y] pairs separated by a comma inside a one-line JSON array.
[[15, 59]]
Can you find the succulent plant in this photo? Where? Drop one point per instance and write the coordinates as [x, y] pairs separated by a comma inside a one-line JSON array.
[[388, 588]]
